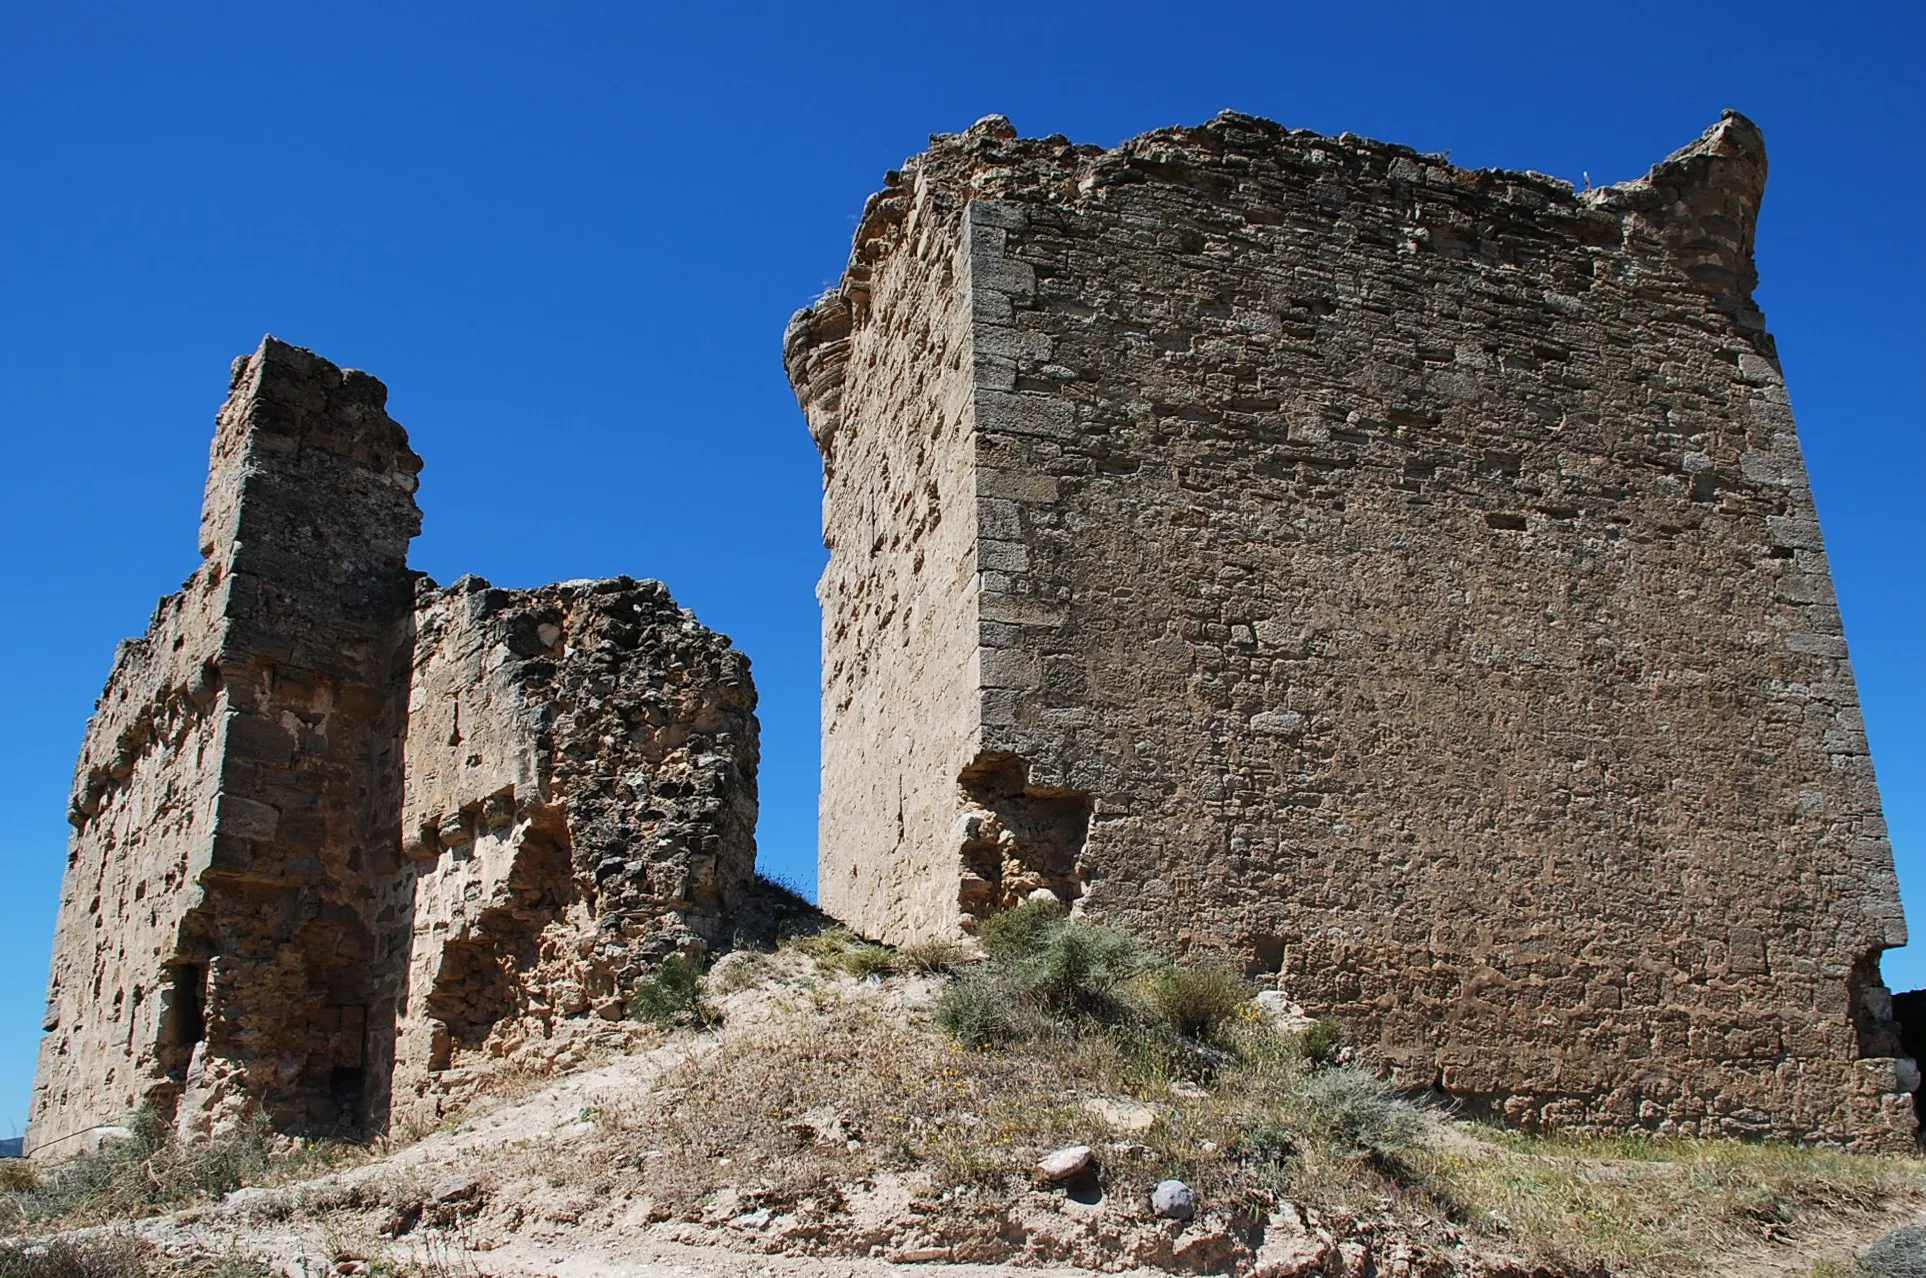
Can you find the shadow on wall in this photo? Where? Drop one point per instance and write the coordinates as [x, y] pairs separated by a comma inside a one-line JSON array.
[[1909, 1012]]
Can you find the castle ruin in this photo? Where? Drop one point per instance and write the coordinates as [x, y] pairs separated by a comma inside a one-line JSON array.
[[344, 839], [1400, 578], [1393, 579]]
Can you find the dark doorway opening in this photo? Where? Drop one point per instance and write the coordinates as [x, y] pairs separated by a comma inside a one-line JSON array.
[[184, 1019], [1909, 1009]]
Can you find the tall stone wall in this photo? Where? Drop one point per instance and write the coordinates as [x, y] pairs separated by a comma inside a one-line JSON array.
[[899, 516], [124, 1007], [231, 800], [245, 929], [1404, 579]]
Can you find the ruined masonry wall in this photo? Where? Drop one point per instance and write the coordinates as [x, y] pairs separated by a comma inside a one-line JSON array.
[[1405, 579], [899, 615], [310, 508], [244, 929], [581, 802], [142, 811]]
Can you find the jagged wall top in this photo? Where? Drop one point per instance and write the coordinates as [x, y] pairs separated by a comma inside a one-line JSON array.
[[1702, 202]]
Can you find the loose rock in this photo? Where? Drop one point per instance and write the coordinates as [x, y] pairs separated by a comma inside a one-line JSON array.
[[1900, 1254], [1173, 1200], [1067, 1163], [1123, 1116]]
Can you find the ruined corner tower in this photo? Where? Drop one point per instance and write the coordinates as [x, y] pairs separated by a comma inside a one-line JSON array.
[[345, 841], [1401, 578]]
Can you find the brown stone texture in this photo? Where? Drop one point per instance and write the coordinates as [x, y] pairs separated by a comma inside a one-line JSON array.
[[1319, 558], [580, 795], [244, 929]]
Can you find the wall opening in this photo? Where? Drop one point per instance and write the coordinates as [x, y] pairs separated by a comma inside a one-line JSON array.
[[1909, 1010], [1016, 838], [1266, 956], [347, 1085], [1871, 1007], [184, 1019]]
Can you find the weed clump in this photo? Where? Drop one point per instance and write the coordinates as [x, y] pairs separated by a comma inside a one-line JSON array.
[[977, 1013], [112, 1256], [146, 1172], [1323, 1041], [1046, 973], [1363, 1116], [841, 950], [1198, 1003], [1020, 930], [672, 997], [935, 958], [1049, 974]]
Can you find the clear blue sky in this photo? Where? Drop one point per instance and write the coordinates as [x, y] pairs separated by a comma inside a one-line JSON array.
[[568, 237]]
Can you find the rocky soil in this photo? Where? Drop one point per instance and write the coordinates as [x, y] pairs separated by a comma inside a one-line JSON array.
[[557, 1183]]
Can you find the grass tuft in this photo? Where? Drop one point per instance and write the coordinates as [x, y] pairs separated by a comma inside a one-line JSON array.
[[1323, 1041], [1195, 1002], [147, 1172], [672, 996]]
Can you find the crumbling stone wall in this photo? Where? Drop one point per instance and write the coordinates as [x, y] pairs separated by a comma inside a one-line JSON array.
[[581, 787], [1397, 577], [897, 593], [143, 812], [244, 928], [229, 805]]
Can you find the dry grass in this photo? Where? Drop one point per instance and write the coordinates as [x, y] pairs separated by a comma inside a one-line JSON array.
[[844, 1088], [151, 1172], [838, 1080], [119, 1255], [812, 1104], [1657, 1205]]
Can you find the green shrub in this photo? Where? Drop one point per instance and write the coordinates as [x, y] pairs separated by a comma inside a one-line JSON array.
[[1268, 1144], [977, 1012], [1077, 971], [1020, 930], [673, 996], [1047, 974], [1322, 1041], [1194, 1002], [1364, 1116]]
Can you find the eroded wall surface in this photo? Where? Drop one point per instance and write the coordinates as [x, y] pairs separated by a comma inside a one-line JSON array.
[[898, 593], [123, 1007], [1406, 579], [233, 802], [331, 821], [581, 803]]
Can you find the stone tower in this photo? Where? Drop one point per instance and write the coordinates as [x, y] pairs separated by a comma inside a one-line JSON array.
[[343, 840], [1404, 579]]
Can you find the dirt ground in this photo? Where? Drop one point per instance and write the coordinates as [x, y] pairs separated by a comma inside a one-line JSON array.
[[524, 1188]]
